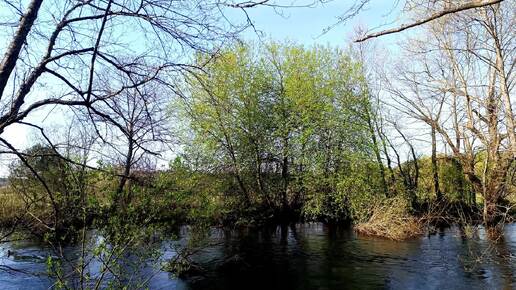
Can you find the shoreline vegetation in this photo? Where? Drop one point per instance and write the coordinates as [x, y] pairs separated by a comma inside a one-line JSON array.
[[392, 218]]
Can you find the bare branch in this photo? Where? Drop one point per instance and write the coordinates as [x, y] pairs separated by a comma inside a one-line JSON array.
[[459, 8]]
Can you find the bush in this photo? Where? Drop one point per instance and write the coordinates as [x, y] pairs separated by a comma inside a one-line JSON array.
[[360, 193]]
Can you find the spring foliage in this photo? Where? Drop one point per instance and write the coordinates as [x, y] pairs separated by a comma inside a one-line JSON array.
[[286, 122]]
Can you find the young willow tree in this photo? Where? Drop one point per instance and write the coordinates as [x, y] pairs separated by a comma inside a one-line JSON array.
[[288, 124]]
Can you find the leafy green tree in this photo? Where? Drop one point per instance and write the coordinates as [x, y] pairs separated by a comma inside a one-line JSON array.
[[287, 122]]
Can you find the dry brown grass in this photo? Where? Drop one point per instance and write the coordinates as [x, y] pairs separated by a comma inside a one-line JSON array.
[[391, 219], [11, 206]]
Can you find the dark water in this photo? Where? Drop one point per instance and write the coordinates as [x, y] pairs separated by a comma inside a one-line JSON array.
[[304, 256]]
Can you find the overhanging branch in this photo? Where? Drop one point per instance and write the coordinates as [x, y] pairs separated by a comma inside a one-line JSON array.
[[459, 8]]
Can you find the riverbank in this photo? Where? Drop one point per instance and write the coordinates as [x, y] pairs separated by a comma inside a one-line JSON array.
[[391, 218]]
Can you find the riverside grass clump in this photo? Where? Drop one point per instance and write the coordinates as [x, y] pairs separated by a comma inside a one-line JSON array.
[[391, 219], [12, 206]]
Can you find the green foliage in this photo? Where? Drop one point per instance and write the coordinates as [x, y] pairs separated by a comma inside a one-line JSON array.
[[52, 189], [192, 195], [283, 121], [452, 182], [361, 189], [348, 196]]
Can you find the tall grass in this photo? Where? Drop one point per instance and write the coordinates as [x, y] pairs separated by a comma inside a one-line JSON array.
[[12, 206], [391, 219]]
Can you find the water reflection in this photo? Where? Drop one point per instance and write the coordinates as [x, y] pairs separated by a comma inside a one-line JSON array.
[[303, 256]]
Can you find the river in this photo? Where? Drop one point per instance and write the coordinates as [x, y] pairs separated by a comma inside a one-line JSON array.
[[302, 256]]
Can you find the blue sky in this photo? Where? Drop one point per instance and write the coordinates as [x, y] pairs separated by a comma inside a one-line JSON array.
[[302, 25], [305, 25]]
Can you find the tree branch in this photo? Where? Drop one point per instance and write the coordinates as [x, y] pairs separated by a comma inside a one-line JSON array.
[[463, 7]]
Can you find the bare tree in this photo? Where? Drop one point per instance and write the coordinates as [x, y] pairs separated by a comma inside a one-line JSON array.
[[136, 129], [466, 72], [422, 104], [59, 54]]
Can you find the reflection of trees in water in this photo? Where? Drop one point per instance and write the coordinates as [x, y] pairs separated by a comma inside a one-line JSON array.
[[504, 261], [124, 259], [489, 260], [312, 256], [259, 259]]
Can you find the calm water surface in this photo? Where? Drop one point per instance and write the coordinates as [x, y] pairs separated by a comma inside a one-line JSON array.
[[304, 256]]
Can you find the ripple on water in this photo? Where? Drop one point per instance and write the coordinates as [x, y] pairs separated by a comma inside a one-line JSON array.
[[312, 256]]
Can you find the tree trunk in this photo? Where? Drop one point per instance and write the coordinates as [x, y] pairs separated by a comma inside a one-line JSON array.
[[121, 201], [435, 172], [376, 150], [284, 175], [231, 151], [465, 196], [20, 37], [389, 163], [259, 179], [411, 183], [490, 213], [239, 179]]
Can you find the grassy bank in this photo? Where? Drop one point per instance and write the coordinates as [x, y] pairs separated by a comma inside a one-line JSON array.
[[12, 207]]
